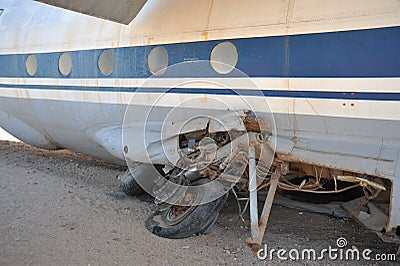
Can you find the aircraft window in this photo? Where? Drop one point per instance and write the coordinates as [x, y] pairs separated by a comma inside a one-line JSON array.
[[106, 62], [65, 64], [31, 65], [157, 60], [224, 57]]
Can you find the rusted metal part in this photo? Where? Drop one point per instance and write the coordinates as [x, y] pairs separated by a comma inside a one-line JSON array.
[[256, 124], [233, 172], [236, 156], [308, 166], [213, 171], [177, 211], [258, 230], [362, 181], [265, 158]]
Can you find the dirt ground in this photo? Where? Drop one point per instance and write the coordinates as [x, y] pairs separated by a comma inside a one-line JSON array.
[[60, 207]]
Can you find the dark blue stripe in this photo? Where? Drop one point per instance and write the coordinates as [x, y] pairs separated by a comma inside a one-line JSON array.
[[373, 96], [357, 53]]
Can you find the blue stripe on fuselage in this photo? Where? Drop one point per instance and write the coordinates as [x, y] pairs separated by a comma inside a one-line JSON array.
[[372, 96], [357, 53]]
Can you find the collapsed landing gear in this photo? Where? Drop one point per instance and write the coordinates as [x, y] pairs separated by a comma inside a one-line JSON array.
[[188, 217], [176, 221], [213, 158]]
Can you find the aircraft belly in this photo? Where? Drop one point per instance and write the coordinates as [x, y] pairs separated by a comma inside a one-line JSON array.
[[66, 124], [359, 144]]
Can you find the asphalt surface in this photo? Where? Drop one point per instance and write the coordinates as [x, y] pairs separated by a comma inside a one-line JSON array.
[[64, 208]]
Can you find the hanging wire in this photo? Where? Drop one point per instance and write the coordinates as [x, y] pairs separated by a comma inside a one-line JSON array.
[[238, 204]]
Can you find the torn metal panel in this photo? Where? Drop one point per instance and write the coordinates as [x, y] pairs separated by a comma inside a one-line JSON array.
[[221, 122], [367, 213], [226, 122], [333, 208], [192, 125]]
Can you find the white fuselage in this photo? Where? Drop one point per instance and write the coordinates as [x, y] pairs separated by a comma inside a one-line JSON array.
[[328, 70]]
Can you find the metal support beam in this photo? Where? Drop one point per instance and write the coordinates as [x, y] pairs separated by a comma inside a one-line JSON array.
[[253, 194], [258, 229]]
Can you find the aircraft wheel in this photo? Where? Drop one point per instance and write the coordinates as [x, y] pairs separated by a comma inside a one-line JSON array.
[[129, 185], [183, 221]]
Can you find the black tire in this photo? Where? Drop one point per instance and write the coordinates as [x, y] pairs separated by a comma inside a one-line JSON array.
[[129, 185], [198, 220]]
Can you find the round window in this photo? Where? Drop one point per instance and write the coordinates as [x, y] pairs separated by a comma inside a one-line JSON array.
[[31, 65], [106, 62], [157, 60], [224, 57], [65, 64]]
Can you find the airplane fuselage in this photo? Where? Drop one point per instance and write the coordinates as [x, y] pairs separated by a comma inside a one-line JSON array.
[[328, 71]]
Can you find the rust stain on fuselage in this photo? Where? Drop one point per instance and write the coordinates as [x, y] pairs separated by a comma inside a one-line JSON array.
[[149, 40], [205, 35], [204, 99], [207, 27]]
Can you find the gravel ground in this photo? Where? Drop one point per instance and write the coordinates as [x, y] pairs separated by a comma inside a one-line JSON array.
[[60, 207]]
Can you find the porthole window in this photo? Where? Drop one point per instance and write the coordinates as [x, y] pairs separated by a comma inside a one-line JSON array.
[[106, 62], [224, 57], [65, 64], [157, 60], [31, 65]]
